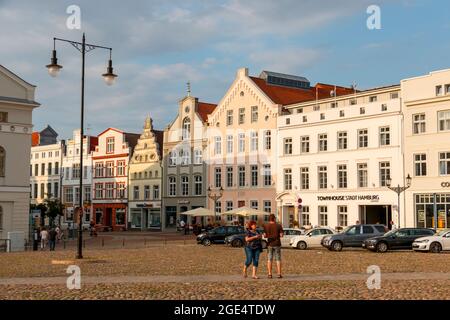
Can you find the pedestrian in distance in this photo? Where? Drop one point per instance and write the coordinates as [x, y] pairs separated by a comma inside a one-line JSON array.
[[52, 239], [393, 225], [253, 248], [273, 232], [44, 238]]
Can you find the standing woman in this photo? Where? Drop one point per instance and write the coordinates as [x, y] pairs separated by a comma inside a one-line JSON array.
[[252, 248]]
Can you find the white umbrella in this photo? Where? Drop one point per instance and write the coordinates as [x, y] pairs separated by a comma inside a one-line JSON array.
[[199, 212], [246, 212]]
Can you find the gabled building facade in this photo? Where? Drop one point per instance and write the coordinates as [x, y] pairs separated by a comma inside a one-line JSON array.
[[184, 169], [242, 136], [70, 177], [110, 161], [144, 180], [16, 106]]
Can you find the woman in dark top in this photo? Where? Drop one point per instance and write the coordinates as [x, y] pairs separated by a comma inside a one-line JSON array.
[[252, 248]]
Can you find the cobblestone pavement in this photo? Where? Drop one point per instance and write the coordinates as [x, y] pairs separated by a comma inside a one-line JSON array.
[[190, 271]]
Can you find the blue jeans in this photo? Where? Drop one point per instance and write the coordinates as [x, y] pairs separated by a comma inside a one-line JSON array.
[[252, 255]]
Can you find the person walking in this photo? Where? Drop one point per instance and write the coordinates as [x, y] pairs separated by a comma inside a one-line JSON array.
[[44, 238], [52, 239], [183, 226], [253, 248], [273, 232]]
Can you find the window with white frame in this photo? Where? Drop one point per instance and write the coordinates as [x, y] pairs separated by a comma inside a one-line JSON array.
[[419, 123], [267, 206], [420, 164], [287, 179], [218, 207], [267, 140], [323, 216], [98, 170], [229, 177], [68, 194], [109, 190], [254, 205], [136, 192], [362, 175], [323, 142], [287, 146], [184, 185], [363, 138], [146, 192], [444, 163], [229, 117], [121, 168], [186, 131], [229, 144], [323, 177], [373, 99], [304, 178], [385, 172], [87, 194], [198, 181], [305, 216], [229, 205], [342, 176], [385, 136], [241, 142], [254, 141], [109, 169], [186, 157], [198, 158], [304, 144], [444, 120], [98, 191], [242, 176], [241, 115], [172, 186], [121, 190], [218, 145], [75, 171], [218, 177], [342, 140], [342, 216], [172, 158], [254, 117], [254, 175], [110, 145], [267, 172]]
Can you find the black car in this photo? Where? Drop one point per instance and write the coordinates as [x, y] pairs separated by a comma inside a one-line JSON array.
[[352, 236], [238, 240], [218, 235], [396, 239]]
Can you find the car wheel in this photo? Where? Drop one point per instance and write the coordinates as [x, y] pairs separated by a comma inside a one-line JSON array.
[[236, 243], [206, 242], [264, 244], [337, 246], [382, 247], [435, 247], [301, 245]]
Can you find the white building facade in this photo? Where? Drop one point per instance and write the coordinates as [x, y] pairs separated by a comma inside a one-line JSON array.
[[45, 171], [16, 107], [336, 154], [70, 177]]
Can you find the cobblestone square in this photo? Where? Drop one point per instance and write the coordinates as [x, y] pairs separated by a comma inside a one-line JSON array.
[[184, 270]]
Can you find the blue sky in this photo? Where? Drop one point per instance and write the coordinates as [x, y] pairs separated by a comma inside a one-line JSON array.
[[159, 45]]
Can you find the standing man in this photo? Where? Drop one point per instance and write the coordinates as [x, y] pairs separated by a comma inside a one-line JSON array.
[[52, 239], [273, 232], [44, 237], [183, 226]]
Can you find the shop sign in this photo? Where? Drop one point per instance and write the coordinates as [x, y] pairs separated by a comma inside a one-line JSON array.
[[183, 202], [349, 198]]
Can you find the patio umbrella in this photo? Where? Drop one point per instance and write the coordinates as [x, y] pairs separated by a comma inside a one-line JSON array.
[[246, 212], [199, 212]]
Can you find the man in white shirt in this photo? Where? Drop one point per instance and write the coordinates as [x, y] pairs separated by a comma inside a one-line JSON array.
[[44, 238]]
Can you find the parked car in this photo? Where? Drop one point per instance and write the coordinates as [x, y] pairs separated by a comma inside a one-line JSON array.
[[218, 235], [435, 243], [289, 234], [352, 236], [402, 238], [311, 238], [238, 240]]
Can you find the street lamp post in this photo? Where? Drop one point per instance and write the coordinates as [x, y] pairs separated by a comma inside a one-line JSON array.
[[215, 195], [109, 77], [399, 189]]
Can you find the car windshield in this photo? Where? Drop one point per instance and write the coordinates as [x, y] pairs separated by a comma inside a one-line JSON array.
[[442, 232], [346, 229]]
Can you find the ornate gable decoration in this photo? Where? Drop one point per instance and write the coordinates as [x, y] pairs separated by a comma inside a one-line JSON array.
[[147, 148]]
